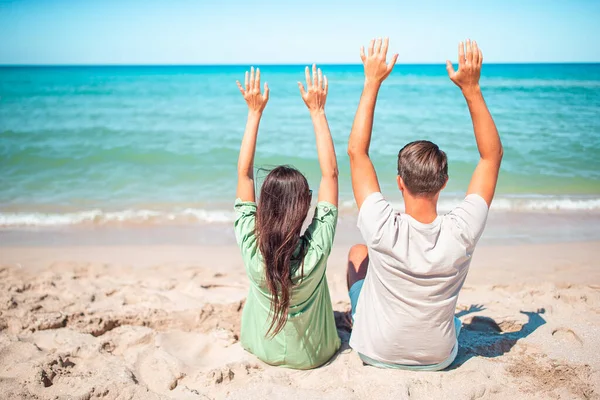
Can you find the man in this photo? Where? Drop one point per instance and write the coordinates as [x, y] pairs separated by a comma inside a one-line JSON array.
[[404, 283]]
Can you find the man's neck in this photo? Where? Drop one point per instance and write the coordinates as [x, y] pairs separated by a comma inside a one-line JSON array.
[[422, 209]]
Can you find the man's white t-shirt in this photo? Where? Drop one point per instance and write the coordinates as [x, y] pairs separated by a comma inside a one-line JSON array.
[[405, 311]]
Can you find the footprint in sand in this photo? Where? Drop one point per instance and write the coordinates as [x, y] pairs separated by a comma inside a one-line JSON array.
[[566, 334], [227, 373]]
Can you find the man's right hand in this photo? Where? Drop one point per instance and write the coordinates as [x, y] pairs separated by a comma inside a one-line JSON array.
[[485, 176], [376, 68], [469, 67]]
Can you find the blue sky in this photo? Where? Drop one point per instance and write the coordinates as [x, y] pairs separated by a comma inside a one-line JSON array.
[[282, 31]]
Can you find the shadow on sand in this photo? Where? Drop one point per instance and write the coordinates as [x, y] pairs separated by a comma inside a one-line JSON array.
[[481, 337], [484, 337]]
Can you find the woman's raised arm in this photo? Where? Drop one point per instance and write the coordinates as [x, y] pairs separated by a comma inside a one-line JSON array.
[[315, 96], [256, 104]]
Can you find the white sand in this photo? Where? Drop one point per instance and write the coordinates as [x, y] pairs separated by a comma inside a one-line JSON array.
[[163, 322]]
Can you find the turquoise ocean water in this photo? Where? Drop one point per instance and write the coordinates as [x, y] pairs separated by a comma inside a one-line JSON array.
[[160, 144]]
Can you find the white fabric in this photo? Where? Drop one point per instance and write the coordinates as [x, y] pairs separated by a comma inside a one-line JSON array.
[[406, 306]]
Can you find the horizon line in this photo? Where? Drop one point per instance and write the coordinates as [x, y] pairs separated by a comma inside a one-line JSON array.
[[12, 65]]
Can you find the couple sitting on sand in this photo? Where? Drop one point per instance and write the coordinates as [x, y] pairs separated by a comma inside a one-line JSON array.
[[404, 281]]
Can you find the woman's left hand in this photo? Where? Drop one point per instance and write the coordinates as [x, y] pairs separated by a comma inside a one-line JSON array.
[[251, 91]]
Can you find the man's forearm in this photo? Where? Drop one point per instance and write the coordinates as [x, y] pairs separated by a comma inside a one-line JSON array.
[[360, 136], [486, 134]]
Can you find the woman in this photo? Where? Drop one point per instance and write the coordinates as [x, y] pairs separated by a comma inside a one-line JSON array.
[[288, 318]]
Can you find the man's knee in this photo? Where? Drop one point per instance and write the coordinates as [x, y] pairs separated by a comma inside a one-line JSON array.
[[358, 262], [357, 254]]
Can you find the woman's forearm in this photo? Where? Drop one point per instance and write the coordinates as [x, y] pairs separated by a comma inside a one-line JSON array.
[[325, 147], [256, 102], [245, 184], [315, 97], [248, 147]]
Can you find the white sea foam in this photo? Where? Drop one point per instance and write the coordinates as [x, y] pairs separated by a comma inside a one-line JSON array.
[[215, 216], [517, 204], [99, 217]]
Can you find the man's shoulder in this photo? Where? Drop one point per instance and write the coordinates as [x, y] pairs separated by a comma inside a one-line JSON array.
[[468, 219]]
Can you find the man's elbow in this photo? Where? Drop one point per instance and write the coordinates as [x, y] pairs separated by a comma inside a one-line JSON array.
[[498, 154], [493, 155], [354, 151]]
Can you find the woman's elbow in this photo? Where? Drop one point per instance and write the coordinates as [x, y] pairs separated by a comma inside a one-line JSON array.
[[332, 173]]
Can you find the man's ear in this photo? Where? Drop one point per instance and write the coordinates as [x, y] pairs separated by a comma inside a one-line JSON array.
[[400, 183], [445, 183]]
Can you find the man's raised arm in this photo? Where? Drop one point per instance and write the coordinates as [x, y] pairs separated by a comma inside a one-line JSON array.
[[364, 178], [490, 149]]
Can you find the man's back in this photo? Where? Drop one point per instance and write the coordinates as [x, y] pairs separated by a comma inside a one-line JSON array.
[[403, 285], [405, 312]]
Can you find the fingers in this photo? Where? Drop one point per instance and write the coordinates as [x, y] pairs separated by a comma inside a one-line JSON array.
[[377, 46], [371, 47], [251, 78], [239, 85], [475, 53], [246, 82], [461, 55], [307, 76], [469, 55], [392, 62], [326, 83], [301, 87], [320, 79], [384, 47], [266, 95], [257, 82], [449, 68], [314, 75], [362, 54]]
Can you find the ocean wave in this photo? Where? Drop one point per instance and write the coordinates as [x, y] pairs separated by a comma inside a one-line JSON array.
[[519, 204], [197, 215], [99, 217]]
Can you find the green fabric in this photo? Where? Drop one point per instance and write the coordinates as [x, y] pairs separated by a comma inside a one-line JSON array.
[[309, 338]]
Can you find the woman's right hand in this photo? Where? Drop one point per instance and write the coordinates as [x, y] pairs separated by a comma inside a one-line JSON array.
[[315, 94], [251, 91]]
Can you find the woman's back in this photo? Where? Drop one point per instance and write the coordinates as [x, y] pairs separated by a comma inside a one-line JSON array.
[[288, 318], [309, 338]]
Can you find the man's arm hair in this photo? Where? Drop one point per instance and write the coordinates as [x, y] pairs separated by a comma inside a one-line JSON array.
[[364, 177], [485, 177]]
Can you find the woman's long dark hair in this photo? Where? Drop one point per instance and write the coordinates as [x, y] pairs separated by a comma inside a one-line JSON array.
[[282, 208]]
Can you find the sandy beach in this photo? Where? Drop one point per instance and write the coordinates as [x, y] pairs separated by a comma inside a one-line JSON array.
[[129, 128], [154, 322]]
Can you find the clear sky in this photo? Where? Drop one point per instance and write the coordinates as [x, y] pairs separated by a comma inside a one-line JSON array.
[[283, 31]]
